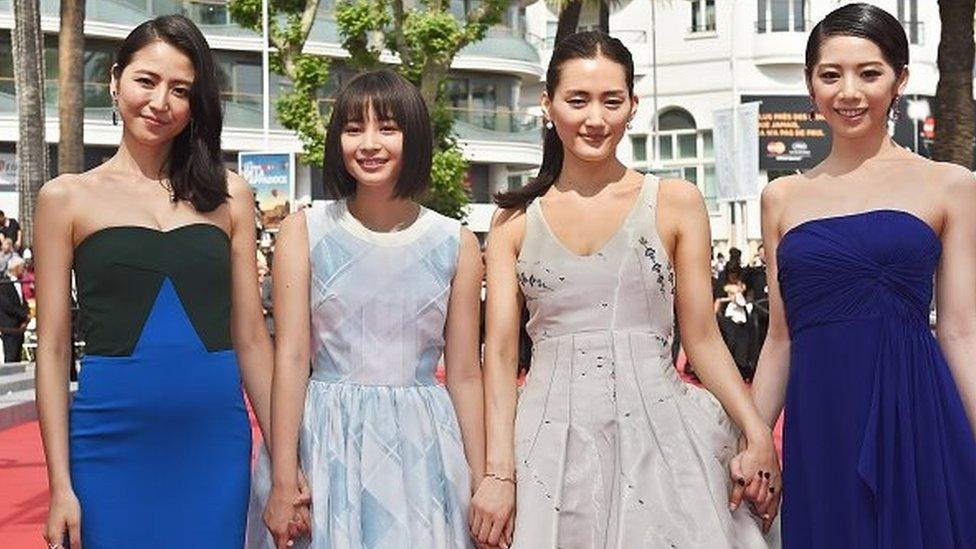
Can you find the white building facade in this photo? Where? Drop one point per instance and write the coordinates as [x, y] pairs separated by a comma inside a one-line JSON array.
[[499, 138], [695, 56]]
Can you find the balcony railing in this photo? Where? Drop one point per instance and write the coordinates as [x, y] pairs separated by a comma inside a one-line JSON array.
[[502, 121]]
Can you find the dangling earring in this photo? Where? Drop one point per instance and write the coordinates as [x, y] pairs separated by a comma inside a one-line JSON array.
[[894, 112], [812, 114], [548, 124], [630, 125], [115, 110]]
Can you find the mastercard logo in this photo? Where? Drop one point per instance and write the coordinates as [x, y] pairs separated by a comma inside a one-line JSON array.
[[776, 147]]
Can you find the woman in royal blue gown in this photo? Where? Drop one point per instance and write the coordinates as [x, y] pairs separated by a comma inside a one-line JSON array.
[[155, 449], [878, 448]]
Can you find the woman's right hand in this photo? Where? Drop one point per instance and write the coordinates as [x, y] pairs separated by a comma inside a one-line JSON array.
[[492, 515], [280, 514], [64, 517]]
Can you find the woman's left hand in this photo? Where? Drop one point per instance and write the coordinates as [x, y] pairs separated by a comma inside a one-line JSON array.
[[756, 476]]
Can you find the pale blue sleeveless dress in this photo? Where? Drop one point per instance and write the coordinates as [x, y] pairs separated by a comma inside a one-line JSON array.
[[380, 442]]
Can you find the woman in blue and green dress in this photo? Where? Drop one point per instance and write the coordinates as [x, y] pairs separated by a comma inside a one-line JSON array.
[[154, 449]]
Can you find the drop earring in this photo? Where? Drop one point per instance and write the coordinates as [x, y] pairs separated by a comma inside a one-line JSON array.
[[115, 110], [894, 112], [548, 124]]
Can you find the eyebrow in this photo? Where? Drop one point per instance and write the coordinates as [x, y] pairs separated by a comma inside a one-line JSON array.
[[156, 76], [860, 66], [584, 92]]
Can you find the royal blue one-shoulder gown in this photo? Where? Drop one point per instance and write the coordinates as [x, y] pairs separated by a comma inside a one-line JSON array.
[[878, 452]]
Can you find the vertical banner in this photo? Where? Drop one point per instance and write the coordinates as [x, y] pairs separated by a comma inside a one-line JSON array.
[[746, 159], [9, 198], [722, 139], [272, 176], [736, 163]]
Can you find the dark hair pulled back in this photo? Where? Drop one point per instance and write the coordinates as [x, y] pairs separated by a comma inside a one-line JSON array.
[[862, 21], [195, 168], [581, 45]]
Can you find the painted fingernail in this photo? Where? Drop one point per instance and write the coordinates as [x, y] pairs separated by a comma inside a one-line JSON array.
[[771, 489], [741, 481], [761, 474], [766, 474], [733, 507]]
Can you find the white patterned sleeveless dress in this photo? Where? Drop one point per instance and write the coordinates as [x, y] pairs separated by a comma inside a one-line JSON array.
[[612, 449], [380, 442]]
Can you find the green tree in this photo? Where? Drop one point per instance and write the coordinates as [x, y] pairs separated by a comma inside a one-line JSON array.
[[425, 37]]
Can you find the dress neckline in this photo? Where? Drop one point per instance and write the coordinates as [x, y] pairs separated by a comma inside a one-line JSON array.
[[876, 211], [395, 238], [613, 236], [152, 230]]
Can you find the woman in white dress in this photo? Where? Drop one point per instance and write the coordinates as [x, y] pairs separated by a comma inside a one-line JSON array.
[[608, 447], [372, 290]]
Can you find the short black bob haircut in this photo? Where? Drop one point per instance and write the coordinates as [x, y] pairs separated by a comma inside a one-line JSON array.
[[195, 167], [391, 97]]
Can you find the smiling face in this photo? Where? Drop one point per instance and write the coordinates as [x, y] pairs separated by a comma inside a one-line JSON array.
[[371, 149], [153, 93], [853, 86], [590, 107]]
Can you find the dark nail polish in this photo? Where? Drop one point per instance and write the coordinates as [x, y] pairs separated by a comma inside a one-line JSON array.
[[766, 474], [771, 489], [741, 482]]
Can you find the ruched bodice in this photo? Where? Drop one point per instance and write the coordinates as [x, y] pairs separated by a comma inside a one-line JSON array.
[[874, 423], [878, 263]]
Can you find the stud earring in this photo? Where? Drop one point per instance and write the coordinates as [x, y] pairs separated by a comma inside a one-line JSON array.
[[548, 124]]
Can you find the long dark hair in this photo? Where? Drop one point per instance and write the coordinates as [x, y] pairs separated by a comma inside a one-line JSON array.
[[195, 168], [581, 45], [391, 97], [862, 21]]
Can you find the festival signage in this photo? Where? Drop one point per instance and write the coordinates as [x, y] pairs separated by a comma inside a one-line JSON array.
[[272, 176]]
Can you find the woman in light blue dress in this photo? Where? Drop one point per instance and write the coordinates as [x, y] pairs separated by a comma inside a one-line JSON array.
[[373, 290]]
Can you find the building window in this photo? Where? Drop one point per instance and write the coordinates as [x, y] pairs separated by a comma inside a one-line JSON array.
[[781, 16], [702, 15], [639, 145], [686, 152], [908, 15]]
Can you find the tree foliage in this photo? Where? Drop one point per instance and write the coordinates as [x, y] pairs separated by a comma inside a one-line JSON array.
[[423, 38]]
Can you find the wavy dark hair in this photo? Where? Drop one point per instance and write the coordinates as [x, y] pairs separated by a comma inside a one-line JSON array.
[[862, 21], [581, 45], [195, 168], [391, 97]]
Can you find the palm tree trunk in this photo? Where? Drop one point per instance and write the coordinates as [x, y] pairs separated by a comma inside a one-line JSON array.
[[71, 87], [605, 16], [568, 19], [28, 50], [954, 122]]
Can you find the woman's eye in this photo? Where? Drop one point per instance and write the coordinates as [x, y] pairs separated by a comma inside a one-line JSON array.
[[577, 102], [181, 92]]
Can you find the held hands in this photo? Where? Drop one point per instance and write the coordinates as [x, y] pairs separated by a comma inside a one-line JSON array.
[[756, 476], [492, 514], [64, 517], [287, 512]]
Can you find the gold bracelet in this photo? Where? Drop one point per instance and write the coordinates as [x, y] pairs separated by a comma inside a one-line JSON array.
[[500, 478]]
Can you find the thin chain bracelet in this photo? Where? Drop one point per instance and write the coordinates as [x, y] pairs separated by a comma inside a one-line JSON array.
[[500, 478]]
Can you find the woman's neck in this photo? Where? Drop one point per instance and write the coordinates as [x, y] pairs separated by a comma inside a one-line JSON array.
[[150, 161], [589, 177], [378, 210], [847, 155]]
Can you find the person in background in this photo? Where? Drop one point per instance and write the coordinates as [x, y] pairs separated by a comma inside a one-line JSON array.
[[14, 313], [10, 228]]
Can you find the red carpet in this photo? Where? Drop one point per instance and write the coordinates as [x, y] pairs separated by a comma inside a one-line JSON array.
[[23, 481], [23, 487]]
